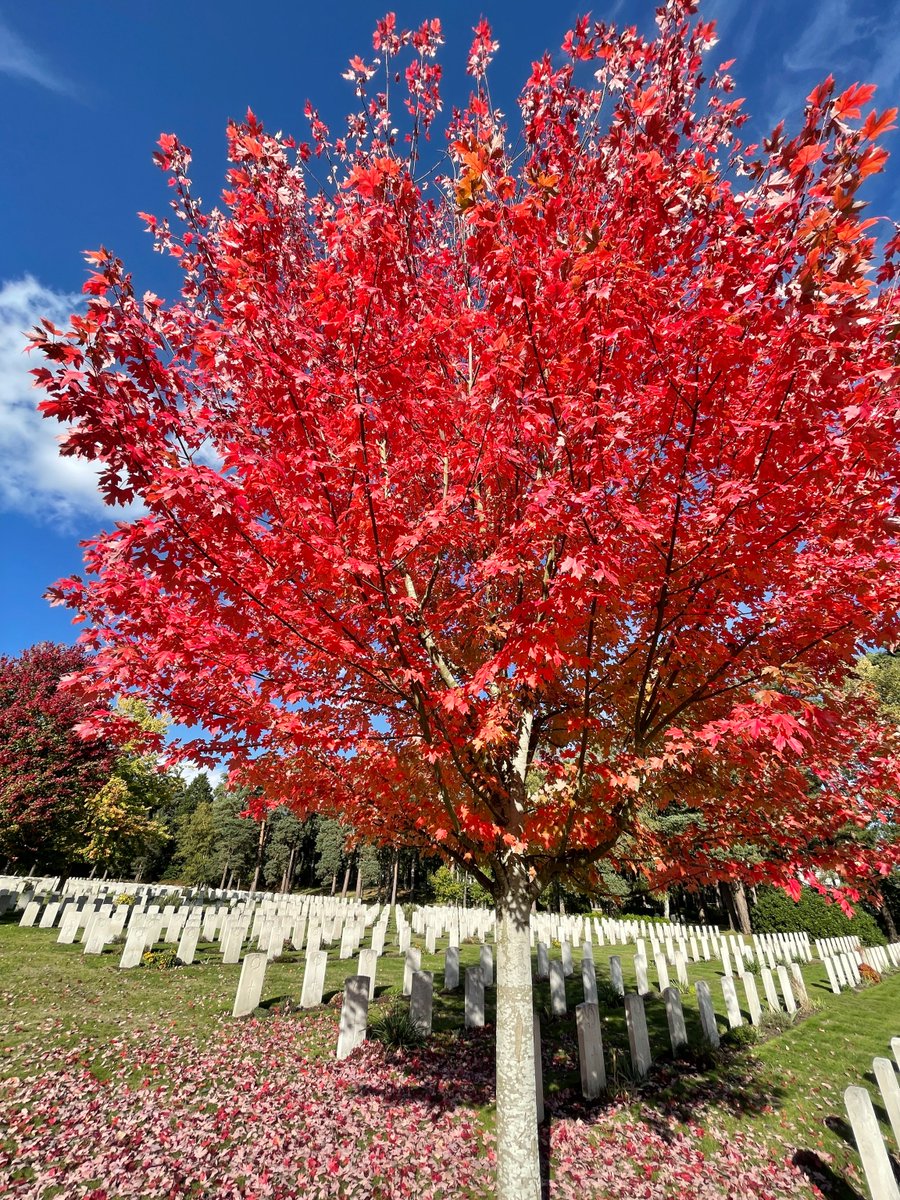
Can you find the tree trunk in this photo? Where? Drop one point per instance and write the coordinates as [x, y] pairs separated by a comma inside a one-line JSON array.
[[359, 880], [224, 874], [260, 847], [518, 1154], [346, 882], [396, 872], [889, 921], [334, 883], [741, 908], [289, 871], [727, 904]]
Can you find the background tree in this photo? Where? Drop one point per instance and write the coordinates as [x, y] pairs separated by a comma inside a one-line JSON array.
[[582, 462], [236, 838], [47, 769], [196, 858], [331, 857], [289, 838], [118, 829]]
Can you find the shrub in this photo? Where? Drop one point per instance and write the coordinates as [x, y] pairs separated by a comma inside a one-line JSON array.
[[396, 1029], [163, 960], [868, 974], [775, 912], [741, 1037], [125, 898]]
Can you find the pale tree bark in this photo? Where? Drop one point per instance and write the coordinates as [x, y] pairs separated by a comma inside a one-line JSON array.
[[741, 908], [396, 872], [260, 848], [518, 1153]]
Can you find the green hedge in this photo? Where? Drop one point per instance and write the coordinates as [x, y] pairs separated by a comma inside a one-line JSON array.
[[775, 912]]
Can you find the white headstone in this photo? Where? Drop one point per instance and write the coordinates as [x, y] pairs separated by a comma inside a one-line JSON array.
[[413, 962], [615, 975], [486, 962], [640, 971], [675, 1017], [451, 969], [420, 1000], [787, 989], [187, 943], [589, 980], [590, 1050], [732, 1008], [872, 1150], [538, 1068], [368, 966], [557, 988], [543, 961], [313, 979], [890, 1092], [250, 984], [753, 1005], [638, 1041], [354, 1015], [707, 1013], [474, 1004]]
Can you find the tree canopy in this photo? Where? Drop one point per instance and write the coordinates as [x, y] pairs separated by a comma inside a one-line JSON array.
[[47, 769], [573, 458]]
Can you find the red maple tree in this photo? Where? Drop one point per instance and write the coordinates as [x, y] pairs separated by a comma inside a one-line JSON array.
[[523, 508]]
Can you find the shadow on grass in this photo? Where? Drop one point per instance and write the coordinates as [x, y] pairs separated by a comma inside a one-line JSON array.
[[831, 1185]]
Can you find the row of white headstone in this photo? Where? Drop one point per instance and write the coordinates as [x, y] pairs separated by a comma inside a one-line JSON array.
[[869, 1141]]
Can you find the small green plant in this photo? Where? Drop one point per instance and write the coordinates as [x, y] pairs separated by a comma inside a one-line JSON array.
[[699, 1058], [163, 960], [810, 1005], [741, 1037], [774, 1023], [396, 1029], [607, 996], [619, 1079], [751, 967]]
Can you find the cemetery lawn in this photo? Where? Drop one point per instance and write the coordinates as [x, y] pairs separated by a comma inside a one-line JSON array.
[[74, 1030]]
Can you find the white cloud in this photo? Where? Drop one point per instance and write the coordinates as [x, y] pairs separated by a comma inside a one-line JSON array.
[[36, 479], [190, 771], [22, 62]]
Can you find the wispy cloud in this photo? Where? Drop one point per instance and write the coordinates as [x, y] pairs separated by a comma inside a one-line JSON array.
[[838, 25], [36, 479], [18, 59]]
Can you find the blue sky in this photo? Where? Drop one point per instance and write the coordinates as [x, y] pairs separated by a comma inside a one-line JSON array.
[[87, 87]]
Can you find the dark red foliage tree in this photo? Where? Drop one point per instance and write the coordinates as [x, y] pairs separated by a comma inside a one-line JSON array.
[[47, 768]]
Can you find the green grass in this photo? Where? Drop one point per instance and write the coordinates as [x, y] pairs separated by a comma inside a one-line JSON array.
[[786, 1091]]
